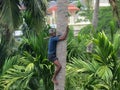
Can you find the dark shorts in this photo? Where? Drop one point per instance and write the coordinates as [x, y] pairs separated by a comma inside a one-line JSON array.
[[52, 57]]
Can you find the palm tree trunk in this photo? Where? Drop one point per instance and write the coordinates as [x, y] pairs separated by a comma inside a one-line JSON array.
[[95, 14], [94, 23], [62, 21]]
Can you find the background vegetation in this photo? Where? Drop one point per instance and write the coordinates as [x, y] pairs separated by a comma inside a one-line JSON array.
[[25, 66]]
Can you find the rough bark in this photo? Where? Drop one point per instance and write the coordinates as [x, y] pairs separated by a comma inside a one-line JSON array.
[[62, 21], [95, 14]]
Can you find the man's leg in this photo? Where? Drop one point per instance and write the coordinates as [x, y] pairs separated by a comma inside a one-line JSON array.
[[58, 68]]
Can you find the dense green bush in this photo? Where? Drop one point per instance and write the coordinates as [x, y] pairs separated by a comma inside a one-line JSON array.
[[98, 70], [76, 45], [29, 68]]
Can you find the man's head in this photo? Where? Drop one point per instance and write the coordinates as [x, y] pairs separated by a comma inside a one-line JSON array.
[[52, 31]]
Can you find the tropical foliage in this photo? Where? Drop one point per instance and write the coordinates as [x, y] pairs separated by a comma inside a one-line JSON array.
[[76, 45], [97, 70], [27, 67]]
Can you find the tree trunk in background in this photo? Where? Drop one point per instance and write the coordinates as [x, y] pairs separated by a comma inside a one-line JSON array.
[[94, 23], [118, 5], [116, 9], [95, 14], [62, 21], [5, 44]]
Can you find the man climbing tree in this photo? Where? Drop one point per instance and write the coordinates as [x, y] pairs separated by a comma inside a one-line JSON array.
[[52, 51], [62, 22]]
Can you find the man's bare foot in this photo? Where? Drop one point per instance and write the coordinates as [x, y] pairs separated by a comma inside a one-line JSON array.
[[55, 81]]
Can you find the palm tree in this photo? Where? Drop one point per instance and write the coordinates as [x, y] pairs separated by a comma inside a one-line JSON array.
[[10, 18], [11, 15], [35, 14], [62, 22]]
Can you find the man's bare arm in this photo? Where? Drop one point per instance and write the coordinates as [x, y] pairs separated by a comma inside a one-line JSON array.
[[63, 37]]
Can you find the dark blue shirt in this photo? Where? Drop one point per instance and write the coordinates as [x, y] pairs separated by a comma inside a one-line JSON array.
[[52, 44]]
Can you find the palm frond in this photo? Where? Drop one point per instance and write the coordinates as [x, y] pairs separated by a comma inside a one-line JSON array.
[[10, 14], [104, 48], [9, 62], [116, 42], [105, 73], [35, 45], [100, 86], [35, 13], [16, 77], [79, 66]]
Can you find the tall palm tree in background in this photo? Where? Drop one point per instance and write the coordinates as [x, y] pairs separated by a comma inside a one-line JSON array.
[[62, 21], [34, 14], [10, 14], [10, 19]]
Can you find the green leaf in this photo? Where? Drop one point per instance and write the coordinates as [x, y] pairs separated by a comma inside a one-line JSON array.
[[105, 73], [29, 67], [10, 14]]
